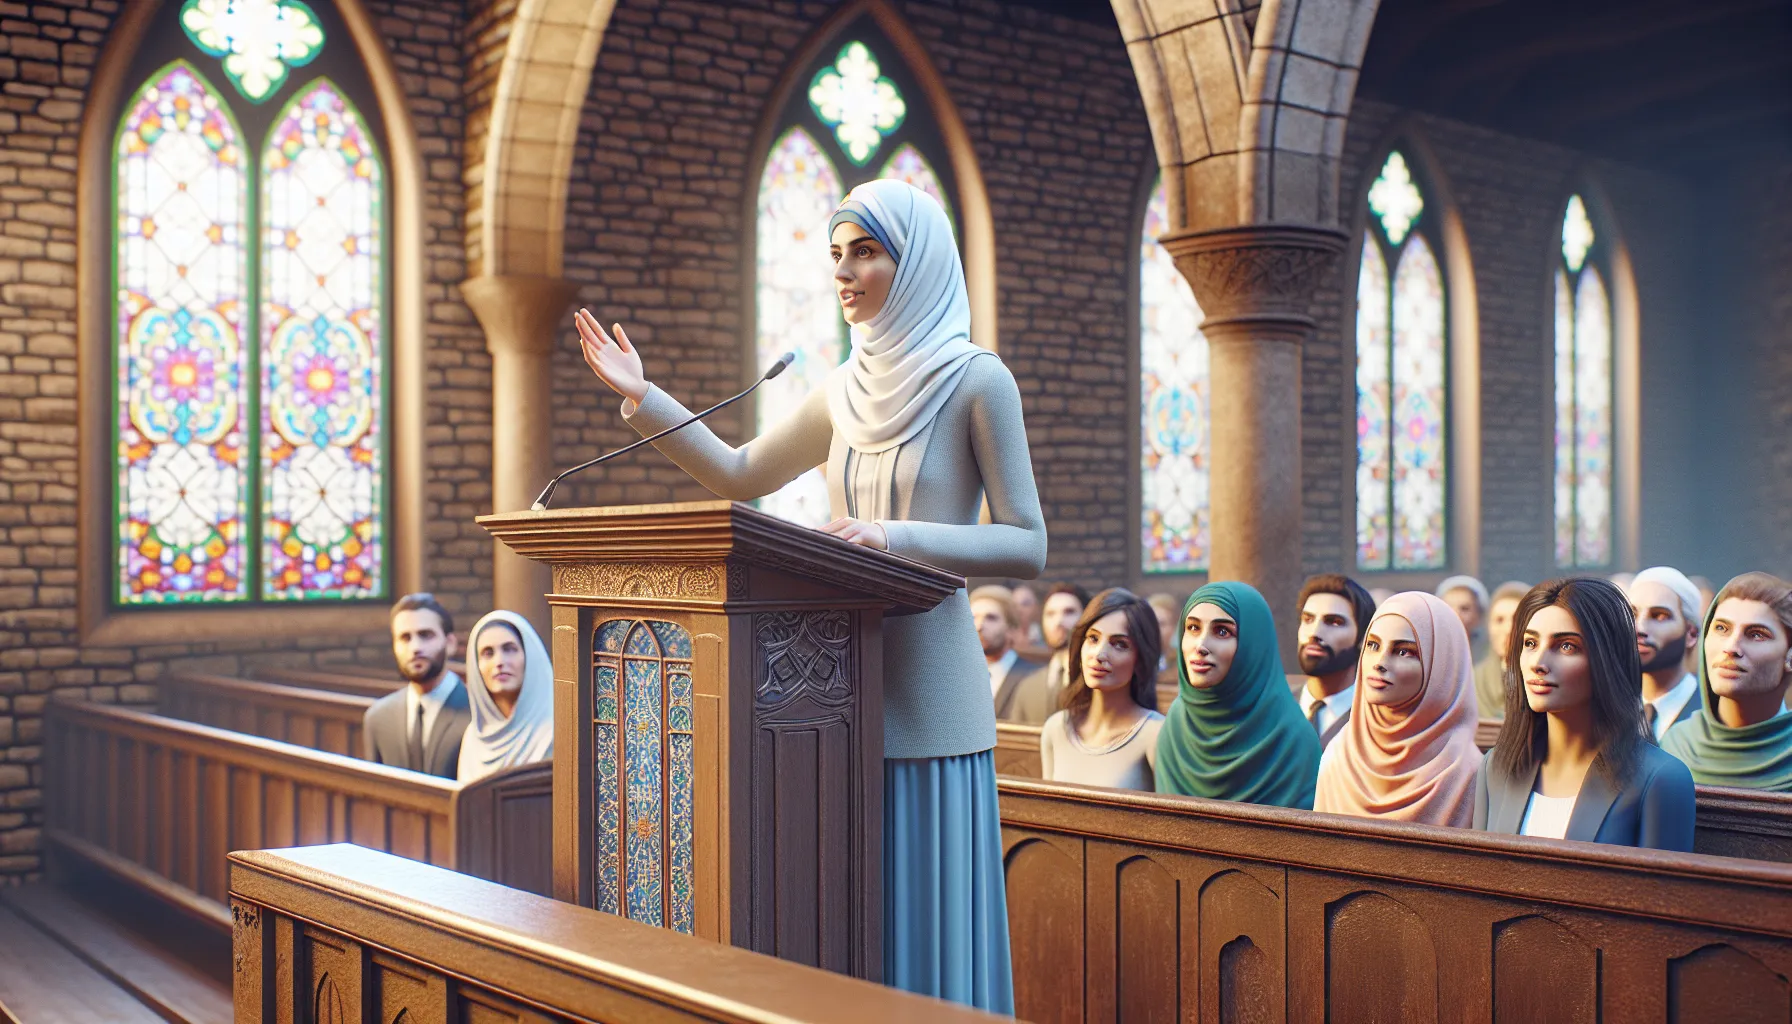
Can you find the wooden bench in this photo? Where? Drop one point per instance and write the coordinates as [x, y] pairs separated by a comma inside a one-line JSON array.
[[1731, 822], [336, 682], [350, 936], [159, 803], [324, 720], [1138, 907]]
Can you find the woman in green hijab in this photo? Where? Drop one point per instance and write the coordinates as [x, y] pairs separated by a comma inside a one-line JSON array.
[[1742, 733], [1234, 731]]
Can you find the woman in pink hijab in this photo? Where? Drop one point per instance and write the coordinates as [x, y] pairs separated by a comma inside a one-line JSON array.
[[1408, 752]]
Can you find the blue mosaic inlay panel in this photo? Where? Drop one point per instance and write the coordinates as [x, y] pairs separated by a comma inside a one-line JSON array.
[[644, 802]]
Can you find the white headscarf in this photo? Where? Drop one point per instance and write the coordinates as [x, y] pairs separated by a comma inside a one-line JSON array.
[[492, 741], [907, 359]]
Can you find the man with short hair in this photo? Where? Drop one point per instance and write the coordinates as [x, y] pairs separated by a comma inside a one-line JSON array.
[[1014, 682], [1064, 604], [1490, 671], [420, 726], [1666, 606], [1026, 609], [1334, 614], [1468, 597]]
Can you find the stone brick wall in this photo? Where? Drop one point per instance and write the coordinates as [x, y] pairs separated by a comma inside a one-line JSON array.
[[47, 55]]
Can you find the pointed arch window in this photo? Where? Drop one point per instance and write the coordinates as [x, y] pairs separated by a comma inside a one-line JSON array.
[[1583, 398], [1402, 352], [250, 356], [855, 116], [1173, 407]]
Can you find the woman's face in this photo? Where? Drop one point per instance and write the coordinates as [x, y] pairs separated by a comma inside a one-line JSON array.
[[500, 656], [1209, 642], [1109, 654], [1393, 672], [1553, 662], [863, 272], [1745, 649]]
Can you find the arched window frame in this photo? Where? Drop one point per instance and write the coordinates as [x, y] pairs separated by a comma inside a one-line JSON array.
[[1575, 550], [146, 37]]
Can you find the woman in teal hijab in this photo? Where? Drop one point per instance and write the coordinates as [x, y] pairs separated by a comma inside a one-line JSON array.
[[1742, 733], [1234, 731]]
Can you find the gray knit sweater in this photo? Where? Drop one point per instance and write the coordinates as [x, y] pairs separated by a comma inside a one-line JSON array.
[[927, 493]]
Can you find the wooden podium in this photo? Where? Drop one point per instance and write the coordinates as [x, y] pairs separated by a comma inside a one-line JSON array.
[[718, 721]]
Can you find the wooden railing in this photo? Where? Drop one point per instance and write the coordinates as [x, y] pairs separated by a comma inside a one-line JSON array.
[[1139, 907], [161, 802], [1731, 822], [350, 936], [320, 719], [336, 682]]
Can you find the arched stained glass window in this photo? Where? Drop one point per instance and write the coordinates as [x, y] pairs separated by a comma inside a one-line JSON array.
[[854, 116], [250, 378], [1583, 437], [1402, 344], [1173, 402]]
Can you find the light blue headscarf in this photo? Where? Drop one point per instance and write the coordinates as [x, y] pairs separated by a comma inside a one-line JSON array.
[[907, 359]]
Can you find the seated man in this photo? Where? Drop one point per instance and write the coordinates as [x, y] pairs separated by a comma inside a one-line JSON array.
[[1015, 682], [1334, 613], [420, 726]]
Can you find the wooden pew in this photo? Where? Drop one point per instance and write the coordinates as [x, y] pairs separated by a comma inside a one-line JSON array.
[[159, 803], [1139, 907], [336, 682], [320, 719], [350, 936]]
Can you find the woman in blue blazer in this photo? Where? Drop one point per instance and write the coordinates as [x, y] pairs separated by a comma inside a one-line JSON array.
[[1575, 758]]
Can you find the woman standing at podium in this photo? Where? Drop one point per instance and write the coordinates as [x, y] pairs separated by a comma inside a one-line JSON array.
[[916, 427]]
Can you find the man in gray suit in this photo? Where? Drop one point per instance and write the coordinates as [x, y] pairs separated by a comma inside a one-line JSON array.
[[420, 726]]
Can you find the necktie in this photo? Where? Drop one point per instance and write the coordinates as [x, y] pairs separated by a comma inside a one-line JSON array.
[[414, 742], [1649, 716], [1313, 716]]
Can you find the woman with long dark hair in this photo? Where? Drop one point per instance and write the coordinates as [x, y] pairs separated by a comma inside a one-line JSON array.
[[1575, 759], [1106, 734]]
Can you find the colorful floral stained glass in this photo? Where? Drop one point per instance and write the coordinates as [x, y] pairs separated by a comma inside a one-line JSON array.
[[259, 40], [1564, 432], [323, 333], [797, 308], [182, 281], [1173, 407], [852, 97], [1583, 448], [1374, 451], [1395, 198], [907, 164], [1418, 420]]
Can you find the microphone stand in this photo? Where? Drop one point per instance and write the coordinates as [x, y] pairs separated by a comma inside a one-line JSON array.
[[541, 503]]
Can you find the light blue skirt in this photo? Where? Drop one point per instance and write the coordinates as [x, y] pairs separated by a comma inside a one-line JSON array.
[[945, 898]]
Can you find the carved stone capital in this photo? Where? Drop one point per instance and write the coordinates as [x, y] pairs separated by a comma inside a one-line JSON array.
[[1256, 282], [519, 313]]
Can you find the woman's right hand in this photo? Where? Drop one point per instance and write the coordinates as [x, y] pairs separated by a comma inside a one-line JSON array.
[[615, 361]]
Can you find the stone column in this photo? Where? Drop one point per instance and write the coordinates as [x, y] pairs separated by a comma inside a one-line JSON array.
[[520, 315], [1256, 285]]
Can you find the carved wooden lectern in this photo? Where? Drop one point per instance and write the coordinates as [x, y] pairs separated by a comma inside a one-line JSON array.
[[718, 721]]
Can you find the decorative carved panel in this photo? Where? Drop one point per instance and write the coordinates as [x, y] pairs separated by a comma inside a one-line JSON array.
[[1543, 972], [1147, 924], [805, 654], [1241, 927], [685, 580], [1722, 983], [1045, 930], [1380, 963]]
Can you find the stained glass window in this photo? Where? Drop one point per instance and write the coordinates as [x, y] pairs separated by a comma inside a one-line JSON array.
[[907, 164], [1583, 398], [322, 338], [251, 355], [855, 99], [182, 286], [798, 310], [1402, 405], [1173, 401]]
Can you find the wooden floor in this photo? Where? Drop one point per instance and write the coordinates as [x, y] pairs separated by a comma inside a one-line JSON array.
[[63, 960]]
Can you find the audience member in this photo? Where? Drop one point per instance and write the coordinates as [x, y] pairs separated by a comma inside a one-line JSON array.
[[1469, 597], [1234, 731], [1063, 606], [1741, 735], [1666, 606], [1409, 750], [1106, 734], [1334, 610], [511, 695], [1014, 682], [1573, 759], [1169, 612], [1490, 670], [420, 726], [1707, 591], [1026, 611]]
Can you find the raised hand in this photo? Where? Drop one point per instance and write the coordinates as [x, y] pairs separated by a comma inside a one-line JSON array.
[[615, 361], [860, 532]]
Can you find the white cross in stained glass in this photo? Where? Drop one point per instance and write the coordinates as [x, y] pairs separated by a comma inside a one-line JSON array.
[[258, 39], [1577, 234], [1395, 199], [853, 98]]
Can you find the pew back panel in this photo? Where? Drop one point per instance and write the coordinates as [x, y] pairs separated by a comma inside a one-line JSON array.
[[335, 682], [1143, 907], [320, 719], [503, 827]]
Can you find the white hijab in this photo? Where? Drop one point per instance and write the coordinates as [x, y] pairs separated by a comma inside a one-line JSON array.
[[907, 359], [492, 741]]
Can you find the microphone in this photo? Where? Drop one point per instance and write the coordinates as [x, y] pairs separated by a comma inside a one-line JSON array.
[[541, 503]]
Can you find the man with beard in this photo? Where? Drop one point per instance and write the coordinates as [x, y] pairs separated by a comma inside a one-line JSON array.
[[1334, 612], [420, 726], [1064, 604], [1666, 606], [1014, 682]]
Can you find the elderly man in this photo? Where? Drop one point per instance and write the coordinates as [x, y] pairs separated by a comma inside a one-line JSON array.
[[1666, 605]]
